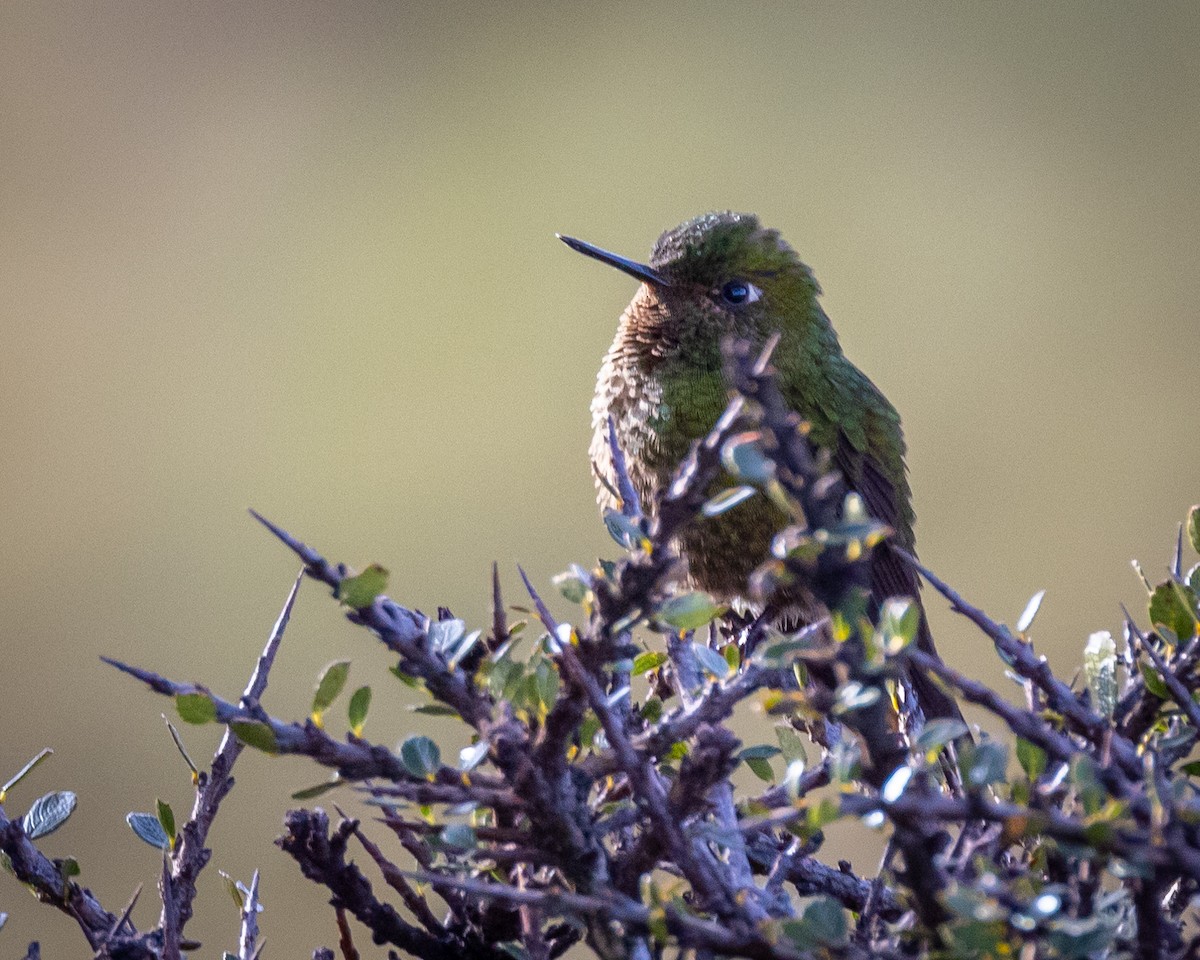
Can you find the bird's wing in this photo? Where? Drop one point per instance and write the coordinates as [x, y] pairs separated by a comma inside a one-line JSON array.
[[890, 575]]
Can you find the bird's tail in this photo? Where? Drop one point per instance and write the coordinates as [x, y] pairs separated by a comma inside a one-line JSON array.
[[935, 702]]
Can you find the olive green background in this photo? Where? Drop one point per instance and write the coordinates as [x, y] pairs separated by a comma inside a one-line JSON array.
[[300, 256]]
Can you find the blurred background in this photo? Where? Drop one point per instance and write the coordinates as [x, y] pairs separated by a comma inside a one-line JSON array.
[[300, 256]]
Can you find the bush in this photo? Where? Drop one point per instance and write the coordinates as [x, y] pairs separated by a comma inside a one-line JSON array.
[[596, 803]]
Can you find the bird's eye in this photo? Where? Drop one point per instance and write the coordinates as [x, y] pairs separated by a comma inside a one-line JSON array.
[[738, 293]]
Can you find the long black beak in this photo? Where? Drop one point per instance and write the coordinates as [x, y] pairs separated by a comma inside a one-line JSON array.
[[631, 267]]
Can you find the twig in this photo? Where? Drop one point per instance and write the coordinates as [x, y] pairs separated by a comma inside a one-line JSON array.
[[126, 913], [645, 781], [345, 938], [631, 503], [1179, 693], [32, 867], [394, 877], [403, 632], [247, 942], [1023, 723], [321, 858], [691, 931], [1059, 696], [190, 855]]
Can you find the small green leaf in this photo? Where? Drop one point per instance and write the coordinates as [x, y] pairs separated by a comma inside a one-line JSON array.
[[1154, 683], [68, 867], [445, 635], [1193, 527], [48, 813], [939, 732], [984, 763], [178, 740], [761, 767], [147, 828], [24, 772], [677, 751], [405, 678], [1173, 606], [822, 813], [726, 500], [1031, 609], [588, 728], [420, 756], [316, 790], [360, 703], [761, 750], [195, 708], [254, 733], [231, 886], [899, 621], [434, 710], [652, 710], [853, 696], [504, 678], [463, 647], [779, 648], [1031, 757], [743, 457], [645, 662], [459, 836], [470, 757], [854, 509], [690, 611], [329, 685], [790, 743], [826, 918], [360, 592], [894, 786], [791, 779], [546, 683], [166, 817], [1100, 669], [573, 584], [710, 661], [623, 530]]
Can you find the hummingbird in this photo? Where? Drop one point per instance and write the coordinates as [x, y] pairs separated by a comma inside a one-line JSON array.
[[661, 383]]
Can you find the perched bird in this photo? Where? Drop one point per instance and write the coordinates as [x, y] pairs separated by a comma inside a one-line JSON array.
[[661, 382]]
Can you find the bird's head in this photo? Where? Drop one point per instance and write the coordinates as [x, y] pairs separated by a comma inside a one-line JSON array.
[[717, 274]]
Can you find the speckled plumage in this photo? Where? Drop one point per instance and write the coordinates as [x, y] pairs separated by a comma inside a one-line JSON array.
[[661, 382]]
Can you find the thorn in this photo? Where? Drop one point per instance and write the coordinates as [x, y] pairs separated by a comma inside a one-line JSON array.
[[1131, 626], [257, 683], [152, 680], [631, 504], [310, 557], [499, 619], [764, 358], [125, 914], [543, 611]]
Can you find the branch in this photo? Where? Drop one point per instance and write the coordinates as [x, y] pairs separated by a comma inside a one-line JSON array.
[[1059, 696], [190, 855], [321, 858], [402, 631]]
